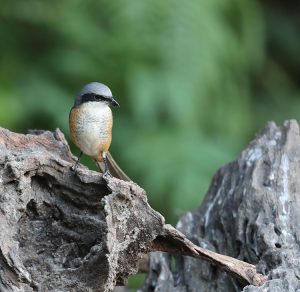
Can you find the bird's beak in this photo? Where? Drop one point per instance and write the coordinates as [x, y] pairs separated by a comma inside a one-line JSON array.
[[114, 103]]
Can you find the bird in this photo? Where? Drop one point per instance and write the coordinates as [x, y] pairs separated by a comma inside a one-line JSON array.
[[90, 123]]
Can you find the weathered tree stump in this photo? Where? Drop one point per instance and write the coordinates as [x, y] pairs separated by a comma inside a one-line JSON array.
[[66, 231], [251, 212]]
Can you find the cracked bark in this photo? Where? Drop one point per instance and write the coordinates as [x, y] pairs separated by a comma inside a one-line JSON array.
[[61, 231]]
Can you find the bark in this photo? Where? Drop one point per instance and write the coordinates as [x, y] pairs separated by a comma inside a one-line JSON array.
[[66, 231], [251, 212], [62, 231]]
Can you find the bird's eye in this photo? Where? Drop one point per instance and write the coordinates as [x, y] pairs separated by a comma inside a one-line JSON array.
[[100, 98]]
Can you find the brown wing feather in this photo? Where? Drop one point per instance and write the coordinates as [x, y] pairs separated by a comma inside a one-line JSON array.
[[72, 121]]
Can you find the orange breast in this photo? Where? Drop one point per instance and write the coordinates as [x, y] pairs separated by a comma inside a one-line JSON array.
[[91, 129]]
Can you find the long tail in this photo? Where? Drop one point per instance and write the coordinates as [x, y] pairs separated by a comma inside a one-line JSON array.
[[113, 167]]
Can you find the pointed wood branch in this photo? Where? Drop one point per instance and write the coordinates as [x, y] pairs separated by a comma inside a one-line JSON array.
[[172, 241]]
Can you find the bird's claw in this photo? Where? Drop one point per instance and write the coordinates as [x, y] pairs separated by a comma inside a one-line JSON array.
[[107, 174], [74, 168]]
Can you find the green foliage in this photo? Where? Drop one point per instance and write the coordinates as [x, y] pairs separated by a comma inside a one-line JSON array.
[[195, 79]]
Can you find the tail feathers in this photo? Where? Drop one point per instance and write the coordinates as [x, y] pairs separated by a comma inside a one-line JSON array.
[[113, 167]]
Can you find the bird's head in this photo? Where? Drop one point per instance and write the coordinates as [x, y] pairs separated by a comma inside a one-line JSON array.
[[95, 92]]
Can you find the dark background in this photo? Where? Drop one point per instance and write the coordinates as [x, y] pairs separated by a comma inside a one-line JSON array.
[[195, 79]]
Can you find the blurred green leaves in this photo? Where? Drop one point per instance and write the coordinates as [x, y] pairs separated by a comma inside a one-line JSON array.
[[195, 80]]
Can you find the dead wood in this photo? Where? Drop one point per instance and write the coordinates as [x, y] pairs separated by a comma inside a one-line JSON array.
[[251, 213], [61, 231]]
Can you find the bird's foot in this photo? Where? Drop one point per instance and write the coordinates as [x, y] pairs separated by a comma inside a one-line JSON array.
[[107, 174], [74, 167]]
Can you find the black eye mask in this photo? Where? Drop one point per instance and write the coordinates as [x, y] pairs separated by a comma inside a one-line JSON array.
[[93, 97]]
